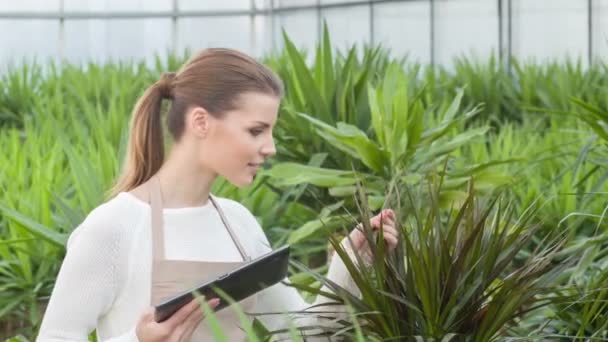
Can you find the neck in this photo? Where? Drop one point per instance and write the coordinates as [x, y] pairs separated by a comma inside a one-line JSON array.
[[184, 184]]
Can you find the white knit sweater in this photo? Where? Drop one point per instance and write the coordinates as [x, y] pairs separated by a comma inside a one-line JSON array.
[[104, 281]]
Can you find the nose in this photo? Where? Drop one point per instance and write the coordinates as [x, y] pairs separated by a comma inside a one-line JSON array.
[[269, 149]]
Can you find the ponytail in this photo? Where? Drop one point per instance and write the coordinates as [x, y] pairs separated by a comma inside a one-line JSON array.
[[145, 149]]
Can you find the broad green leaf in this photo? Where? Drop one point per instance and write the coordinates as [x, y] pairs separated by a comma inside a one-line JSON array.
[[317, 228], [294, 174], [34, 227]]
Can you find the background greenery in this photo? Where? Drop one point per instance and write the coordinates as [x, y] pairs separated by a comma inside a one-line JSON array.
[[535, 133]]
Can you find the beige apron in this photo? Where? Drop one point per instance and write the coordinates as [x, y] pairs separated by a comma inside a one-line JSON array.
[[172, 276]]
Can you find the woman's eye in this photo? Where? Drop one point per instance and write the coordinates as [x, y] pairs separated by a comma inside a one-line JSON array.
[[255, 131]]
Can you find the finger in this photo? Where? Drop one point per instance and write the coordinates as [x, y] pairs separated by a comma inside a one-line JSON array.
[[390, 213], [177, 318], [389, 225], [190, 324], [377, 221], [389, 220], [213, 303], [384, 213], [391, 230], [388, 217], [193, 321], [391, 241], [355, 238], [387, 213], [392, 233]]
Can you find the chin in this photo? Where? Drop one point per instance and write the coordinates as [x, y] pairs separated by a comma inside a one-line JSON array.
[[241, 182]]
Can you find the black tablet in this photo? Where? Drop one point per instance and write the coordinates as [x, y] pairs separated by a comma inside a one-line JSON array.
[[239, 284]]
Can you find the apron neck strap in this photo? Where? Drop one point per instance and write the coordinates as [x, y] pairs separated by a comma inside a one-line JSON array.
[[156, 205], [235, 239]]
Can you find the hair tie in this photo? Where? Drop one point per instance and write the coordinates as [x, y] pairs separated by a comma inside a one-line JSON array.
[[166, 85]]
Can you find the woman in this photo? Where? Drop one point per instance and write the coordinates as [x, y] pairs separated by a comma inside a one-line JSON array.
[[163, 230]]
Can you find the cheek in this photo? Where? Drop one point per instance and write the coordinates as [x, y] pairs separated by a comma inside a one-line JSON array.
[[235, 148], [246, 147]]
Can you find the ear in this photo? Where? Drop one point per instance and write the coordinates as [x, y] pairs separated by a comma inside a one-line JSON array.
[[199, 121]]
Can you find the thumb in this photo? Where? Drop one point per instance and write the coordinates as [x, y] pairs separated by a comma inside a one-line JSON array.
[[358, 237], [147, 316]]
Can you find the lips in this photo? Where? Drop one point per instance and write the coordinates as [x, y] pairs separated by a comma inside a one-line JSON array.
[[254, 166]]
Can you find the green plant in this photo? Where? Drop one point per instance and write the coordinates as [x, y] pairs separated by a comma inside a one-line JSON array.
[[456, 276], [406, 140]]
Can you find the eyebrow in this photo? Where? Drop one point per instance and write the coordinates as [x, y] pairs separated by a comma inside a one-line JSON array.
[[265, 124]]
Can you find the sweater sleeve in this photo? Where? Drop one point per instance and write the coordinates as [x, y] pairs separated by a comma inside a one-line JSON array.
[[283, 298], [86, 285]]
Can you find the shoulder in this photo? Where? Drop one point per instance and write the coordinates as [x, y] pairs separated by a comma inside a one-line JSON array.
[[109, 222]]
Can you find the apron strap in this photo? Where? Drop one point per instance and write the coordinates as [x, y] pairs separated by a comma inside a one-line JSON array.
[[235, 239], [158, 238]]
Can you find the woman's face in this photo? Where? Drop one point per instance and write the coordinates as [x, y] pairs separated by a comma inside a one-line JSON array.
[[236, 144]]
